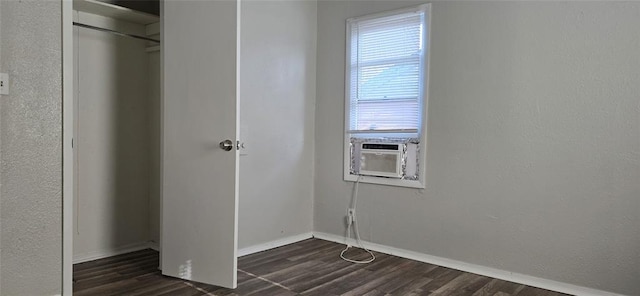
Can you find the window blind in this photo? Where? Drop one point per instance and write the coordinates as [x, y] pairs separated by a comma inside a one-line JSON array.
[[386, 78]]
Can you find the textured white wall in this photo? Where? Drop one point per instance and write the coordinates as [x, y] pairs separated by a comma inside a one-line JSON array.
[[31, 149], [277, 99], [113, 138], [533, 162]]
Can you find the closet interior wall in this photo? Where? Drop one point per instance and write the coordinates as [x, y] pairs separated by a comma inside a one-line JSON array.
[[117, 139]]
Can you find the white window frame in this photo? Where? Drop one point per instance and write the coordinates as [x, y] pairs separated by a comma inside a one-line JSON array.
[[422, 132]]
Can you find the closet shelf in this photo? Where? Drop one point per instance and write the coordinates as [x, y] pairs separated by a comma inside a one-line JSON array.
[[114, 11], [153, 48]]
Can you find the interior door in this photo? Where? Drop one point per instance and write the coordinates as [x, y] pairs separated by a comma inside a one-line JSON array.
[[200, 110]]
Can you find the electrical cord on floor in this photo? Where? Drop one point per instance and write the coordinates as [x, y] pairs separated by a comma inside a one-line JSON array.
[[353, 221]]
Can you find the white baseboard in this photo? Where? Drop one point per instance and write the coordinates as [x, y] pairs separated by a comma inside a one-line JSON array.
[[473, 268], [95, 255], [89, 256], [274, 244], [154, 246]]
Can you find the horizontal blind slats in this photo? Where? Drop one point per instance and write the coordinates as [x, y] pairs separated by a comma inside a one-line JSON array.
[[385, 73]]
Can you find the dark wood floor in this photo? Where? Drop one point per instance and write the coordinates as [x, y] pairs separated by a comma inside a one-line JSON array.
[[310, 267]]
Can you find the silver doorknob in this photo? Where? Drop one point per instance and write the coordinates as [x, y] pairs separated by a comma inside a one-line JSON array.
[[226, 145]]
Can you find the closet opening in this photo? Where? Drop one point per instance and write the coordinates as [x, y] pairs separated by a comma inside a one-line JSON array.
[[141, 131], [116, 139], [143, 120]]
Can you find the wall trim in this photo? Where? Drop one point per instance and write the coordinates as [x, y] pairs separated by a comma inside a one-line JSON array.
[[274, 244], [68, 155], [473, 268], [154, 246], [95, 255]]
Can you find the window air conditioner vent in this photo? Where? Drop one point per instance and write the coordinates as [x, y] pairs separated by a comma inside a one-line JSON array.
[[381, 160]]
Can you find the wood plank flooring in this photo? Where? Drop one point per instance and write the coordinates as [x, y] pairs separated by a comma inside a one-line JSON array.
[[310, 267]]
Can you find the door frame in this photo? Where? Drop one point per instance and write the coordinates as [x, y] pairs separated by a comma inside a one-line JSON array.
[[68, 130]]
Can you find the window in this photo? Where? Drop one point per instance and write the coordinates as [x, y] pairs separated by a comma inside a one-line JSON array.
[[386, 83]]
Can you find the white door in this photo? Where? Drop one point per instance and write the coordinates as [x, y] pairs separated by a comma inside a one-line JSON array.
[[200, 110]]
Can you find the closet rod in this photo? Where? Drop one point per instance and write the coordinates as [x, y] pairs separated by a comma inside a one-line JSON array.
[[114, 32]]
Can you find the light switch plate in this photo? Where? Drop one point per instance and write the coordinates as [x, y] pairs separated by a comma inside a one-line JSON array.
[[4, 84]]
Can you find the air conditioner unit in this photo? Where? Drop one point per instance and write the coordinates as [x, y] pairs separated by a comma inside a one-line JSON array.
[[381, 159]]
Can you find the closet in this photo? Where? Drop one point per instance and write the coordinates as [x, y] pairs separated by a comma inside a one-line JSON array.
[[119, 124], [117, 130], [146, 135]]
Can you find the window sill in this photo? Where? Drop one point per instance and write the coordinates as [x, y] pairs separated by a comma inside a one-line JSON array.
[[385, 181]]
